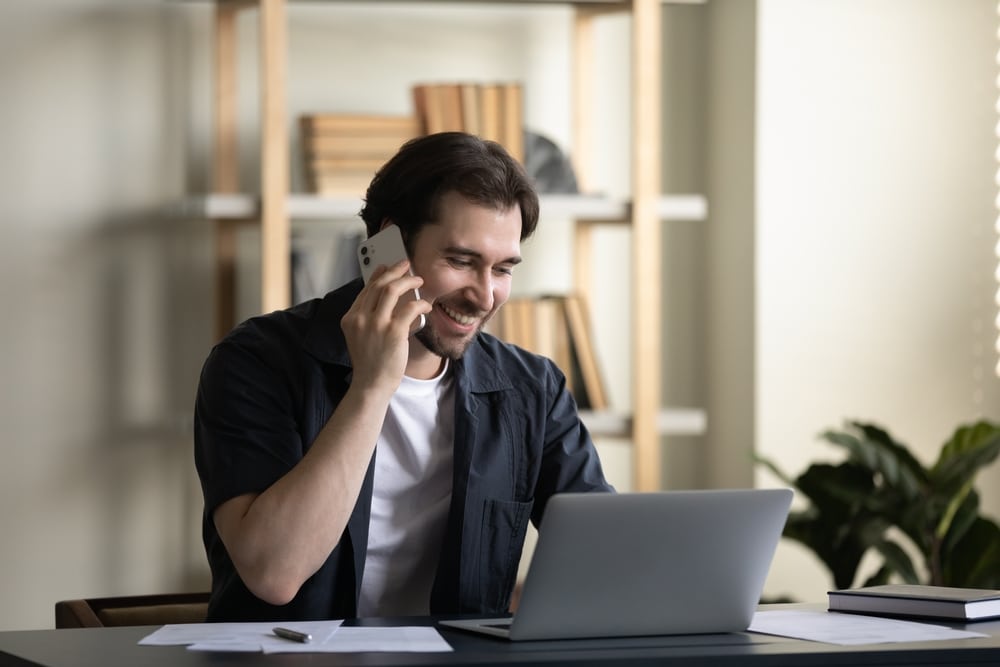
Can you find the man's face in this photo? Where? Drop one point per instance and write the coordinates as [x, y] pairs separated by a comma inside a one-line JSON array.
[[466, 259]]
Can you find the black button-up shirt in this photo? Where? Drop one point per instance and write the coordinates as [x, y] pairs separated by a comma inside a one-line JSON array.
[[270, 386]]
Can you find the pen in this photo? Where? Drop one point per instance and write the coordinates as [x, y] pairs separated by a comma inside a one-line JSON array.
[[294, 635]]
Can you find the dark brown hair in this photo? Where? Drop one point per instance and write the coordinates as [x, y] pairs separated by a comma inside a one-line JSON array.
[[408, 188]]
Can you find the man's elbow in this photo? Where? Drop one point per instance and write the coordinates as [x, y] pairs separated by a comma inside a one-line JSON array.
[[272, 588]]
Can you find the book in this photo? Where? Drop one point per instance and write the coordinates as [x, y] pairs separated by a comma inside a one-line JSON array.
[[489, 112], [512, 120], [350, 124], [341, 152], [558, 327], [438, 107], [470, 108], [578, 322], [493, 111], [942, 602]]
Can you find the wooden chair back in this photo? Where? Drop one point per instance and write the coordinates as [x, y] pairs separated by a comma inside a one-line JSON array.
[[159, 609]]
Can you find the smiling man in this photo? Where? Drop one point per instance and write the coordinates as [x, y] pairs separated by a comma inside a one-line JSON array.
[[351, 469]]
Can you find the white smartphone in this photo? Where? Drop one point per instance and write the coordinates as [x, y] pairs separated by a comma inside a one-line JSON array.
[[386, 248]]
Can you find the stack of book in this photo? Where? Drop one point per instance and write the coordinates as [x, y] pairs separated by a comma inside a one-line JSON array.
[[557, 327], [342, 152], [492, 111]]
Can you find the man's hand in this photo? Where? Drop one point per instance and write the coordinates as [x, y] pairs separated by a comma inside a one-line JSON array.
[[377, 327]]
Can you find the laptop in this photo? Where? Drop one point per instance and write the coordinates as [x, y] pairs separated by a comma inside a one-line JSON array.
[[636, 564]]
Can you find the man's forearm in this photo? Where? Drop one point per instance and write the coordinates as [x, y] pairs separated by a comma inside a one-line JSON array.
[[281, 537]]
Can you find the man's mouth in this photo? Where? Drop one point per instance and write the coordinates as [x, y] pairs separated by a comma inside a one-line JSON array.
[[464, 320]]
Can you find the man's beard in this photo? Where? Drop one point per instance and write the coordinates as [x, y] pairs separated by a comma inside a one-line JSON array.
[[452, 351]]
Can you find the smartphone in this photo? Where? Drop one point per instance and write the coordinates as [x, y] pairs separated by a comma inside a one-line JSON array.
[[386, 248]]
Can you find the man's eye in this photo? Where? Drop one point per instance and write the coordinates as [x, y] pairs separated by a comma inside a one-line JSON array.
[[504, 270], [459, 262]]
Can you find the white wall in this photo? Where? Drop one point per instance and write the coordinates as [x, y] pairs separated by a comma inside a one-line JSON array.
[[874, 229], [104, 312], [107, 316]]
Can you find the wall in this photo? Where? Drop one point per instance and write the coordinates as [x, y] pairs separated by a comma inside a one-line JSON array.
[[874, 210], [107, 317]]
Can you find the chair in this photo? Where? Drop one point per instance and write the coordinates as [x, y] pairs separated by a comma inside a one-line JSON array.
[[132, 610]]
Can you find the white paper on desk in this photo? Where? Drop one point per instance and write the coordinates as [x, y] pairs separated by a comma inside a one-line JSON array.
[[244, 637], [850, 629], [355, 639]]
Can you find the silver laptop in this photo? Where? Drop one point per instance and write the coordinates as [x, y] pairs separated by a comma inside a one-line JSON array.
[[631, 564]]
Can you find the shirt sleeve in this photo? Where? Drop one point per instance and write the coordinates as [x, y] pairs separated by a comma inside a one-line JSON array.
[[570, 462], [245, 433]]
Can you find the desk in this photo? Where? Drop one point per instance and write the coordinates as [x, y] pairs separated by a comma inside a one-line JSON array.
[[117, 647]]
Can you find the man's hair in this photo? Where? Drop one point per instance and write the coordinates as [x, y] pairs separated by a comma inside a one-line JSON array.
[[407, 190]]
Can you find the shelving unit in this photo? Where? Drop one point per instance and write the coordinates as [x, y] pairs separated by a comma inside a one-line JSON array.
[[646, 210]]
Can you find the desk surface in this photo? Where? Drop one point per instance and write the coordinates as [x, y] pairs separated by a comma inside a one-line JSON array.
[[117, 647]]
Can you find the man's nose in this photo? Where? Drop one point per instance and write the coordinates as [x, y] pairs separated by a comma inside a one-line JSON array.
[[480, 292]]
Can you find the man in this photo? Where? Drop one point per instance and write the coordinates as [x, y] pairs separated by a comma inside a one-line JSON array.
[[349, 468]]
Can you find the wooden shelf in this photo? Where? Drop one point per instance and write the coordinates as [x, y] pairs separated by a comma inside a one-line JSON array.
[[621, 5], [671, 421], [643, 211], [593, 208]]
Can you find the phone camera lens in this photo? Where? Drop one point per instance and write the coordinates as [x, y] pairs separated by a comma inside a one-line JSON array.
[[364, 250], [366, 261]]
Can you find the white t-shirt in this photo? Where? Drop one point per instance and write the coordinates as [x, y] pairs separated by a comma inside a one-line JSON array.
[[412, 493]]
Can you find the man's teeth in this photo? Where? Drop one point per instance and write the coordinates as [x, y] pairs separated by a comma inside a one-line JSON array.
[[458, 317]]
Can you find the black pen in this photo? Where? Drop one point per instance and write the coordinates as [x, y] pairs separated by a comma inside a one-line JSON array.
[[294, 635]]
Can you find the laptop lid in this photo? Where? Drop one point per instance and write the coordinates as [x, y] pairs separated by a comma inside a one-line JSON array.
[[630, 564]]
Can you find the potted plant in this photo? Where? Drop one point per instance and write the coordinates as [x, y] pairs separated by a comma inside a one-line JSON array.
[[881, 485]]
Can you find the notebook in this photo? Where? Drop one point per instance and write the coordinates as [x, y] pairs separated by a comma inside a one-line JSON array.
[[634, 564]]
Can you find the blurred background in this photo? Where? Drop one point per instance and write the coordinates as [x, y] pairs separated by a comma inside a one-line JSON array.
[[846, 270]]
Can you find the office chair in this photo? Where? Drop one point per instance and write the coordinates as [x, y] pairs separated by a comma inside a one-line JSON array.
[[159, 609]]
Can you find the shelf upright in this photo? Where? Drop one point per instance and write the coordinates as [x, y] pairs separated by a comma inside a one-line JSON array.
[[275, 224], [225, 162], [644, 215], [646, 276]]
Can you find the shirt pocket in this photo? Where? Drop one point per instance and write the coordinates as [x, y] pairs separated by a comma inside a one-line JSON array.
[[505, 523]]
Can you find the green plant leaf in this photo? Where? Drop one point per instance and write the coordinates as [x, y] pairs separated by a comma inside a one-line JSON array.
[[968, 450], [974, 561], [897, 561], [876, 450], [883, 576], [881, 485], [841, 556], [963, 519], [836, 489]]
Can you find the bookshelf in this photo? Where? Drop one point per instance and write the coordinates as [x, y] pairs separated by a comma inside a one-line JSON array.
[[645, 210]]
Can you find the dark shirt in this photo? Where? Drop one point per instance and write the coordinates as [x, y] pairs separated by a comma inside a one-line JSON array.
[[270, 386]]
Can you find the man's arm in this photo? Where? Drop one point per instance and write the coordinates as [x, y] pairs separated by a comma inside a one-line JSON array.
[[277, 539]]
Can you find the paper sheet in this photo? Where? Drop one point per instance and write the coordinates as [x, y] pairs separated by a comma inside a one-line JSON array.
[[327, 637], [246, 637], [850, 629], [354, 639]]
